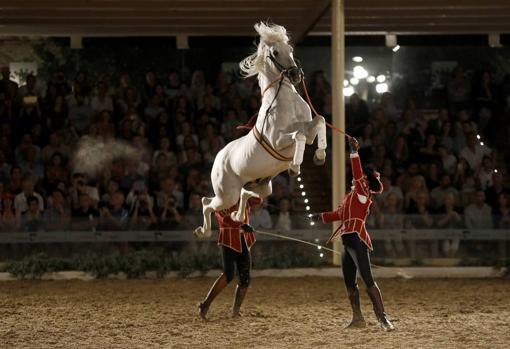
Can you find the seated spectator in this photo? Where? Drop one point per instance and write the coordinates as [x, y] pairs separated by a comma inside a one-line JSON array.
[[142, 215], [259, 216], [391, 218], [168, 188], [484, 174], [283, 219], [493, 191], [193, 217], [31, 165], [273, 201], [437, 194], [8, 220], [101, 101], [5, 167], [429, 151], [84, 216], [114, 216], [164, 148], [170, 217], [502, 212], [56, 171], [473, 152], [58, 215], [55, 146], [186, 132], [15, 181], [111, 188], [80, 115], [432, 177], [31, 219], [80, 186], [26, 146], [139, 188], [449, 218], [478, 215], [448, 160], [418, 186], [20, 200]]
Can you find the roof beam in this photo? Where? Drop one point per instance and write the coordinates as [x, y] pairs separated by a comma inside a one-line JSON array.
[[311, 18]]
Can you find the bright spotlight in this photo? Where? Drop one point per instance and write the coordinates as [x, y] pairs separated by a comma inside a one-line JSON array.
[[371, 79], [312, 223], [346, 83], [478, 137], [321, 255], [348, 91], [301, 186], [381, 88], [310, 215], [381, 78], [396, 48], [307, 208], [359, 72], [306, 201], [481, 143], [299, 179], [319, 247], [303, 193], [495, 170], [354, 81], [357, 59]]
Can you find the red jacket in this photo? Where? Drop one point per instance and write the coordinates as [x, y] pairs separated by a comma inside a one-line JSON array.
[[230, 231], [355, 207]]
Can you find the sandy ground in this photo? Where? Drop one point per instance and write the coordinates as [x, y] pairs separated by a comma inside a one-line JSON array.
[[278, 313]]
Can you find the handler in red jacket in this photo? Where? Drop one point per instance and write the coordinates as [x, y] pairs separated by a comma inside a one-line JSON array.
[[236, 239], [357, 244]]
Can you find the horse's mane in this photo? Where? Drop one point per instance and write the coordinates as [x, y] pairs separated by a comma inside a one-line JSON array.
[[269, 35]]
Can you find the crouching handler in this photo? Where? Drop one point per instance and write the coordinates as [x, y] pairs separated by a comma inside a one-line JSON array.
[[357, 244], [236, 239]]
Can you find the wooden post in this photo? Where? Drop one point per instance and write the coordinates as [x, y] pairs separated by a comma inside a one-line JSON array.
[[337, 80]]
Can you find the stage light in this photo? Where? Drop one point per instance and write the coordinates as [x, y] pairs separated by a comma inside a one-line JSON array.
[[346, 83], [306, 201], [381, 88], [357, 59], [381, 78], [371, 79], [307, 208], [301, 186], [495, 170], [348, 91], [354, 81], [299, 179], [321, 255], [359, 72], [481, 143], [303, 193], [312, 223], [310, 215], [319, 247], [396, 48], [478, 137]]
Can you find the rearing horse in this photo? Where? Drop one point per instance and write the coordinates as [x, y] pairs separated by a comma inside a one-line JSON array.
[[245, 166]]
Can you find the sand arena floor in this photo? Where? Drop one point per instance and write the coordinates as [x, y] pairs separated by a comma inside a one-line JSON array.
[[278, 313]]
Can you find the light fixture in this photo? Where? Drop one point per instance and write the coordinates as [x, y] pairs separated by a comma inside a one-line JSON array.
[[321, 255], [346, 83], [348, 91], [481, 143], [396, 48], [370, 79], [381, 78], [495, 170], [306, 201], [381, 88], [354, 81], [319, 247], [299, 179], [303, 193], [301, 186], [307, 208], [357, 59], [312, 223], [477, 136], [359, 72]]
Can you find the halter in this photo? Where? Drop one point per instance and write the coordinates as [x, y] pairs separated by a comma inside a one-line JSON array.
[[294, 73]]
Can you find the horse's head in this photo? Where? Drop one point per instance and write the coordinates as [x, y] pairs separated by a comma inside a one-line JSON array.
[[274, 55]]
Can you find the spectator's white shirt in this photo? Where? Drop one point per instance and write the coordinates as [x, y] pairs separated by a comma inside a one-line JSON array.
[[98, 104], [283, 222], [20, 202], [485, 177], [478, 217], [260, 219], [437, 196], [474, 159], [449, 163]]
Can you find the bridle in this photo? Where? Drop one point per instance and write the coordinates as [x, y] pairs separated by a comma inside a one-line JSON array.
[[294, 73]]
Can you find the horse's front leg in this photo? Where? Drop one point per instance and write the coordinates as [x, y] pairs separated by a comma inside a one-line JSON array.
[[317, 128], [299, 139]]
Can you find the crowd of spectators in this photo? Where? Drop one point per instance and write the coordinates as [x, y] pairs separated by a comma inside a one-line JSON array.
[[436, 170]]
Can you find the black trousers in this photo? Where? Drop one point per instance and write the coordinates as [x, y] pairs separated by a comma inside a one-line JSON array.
[[356, 257], [233, 260]]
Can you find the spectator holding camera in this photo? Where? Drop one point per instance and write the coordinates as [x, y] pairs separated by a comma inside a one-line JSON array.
[[142, 216], [170, 216], [31, 219], [84, 217]]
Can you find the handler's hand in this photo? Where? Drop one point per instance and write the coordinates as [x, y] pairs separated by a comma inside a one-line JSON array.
[[315, 217], [247, 228], [354, 144]]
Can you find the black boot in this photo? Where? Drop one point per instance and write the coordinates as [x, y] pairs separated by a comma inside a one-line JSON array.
[[238, 300], [357, 317], [220, 283], [375, 296]]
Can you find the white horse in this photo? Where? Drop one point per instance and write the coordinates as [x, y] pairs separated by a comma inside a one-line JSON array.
[[244, 167]]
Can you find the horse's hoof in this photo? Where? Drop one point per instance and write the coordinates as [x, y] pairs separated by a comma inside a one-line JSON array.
[[235, 218], [317, 161], [319, 158], [294, 171], [198, 233]]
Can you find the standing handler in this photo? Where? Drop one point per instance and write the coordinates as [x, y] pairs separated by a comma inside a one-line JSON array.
[[357, 244], [236, 239]]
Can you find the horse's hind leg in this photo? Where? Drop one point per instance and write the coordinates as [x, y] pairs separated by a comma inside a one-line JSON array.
[[259, 190], [210, 205]]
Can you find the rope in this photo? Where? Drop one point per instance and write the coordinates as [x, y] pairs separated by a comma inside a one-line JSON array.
[[331, 126]]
